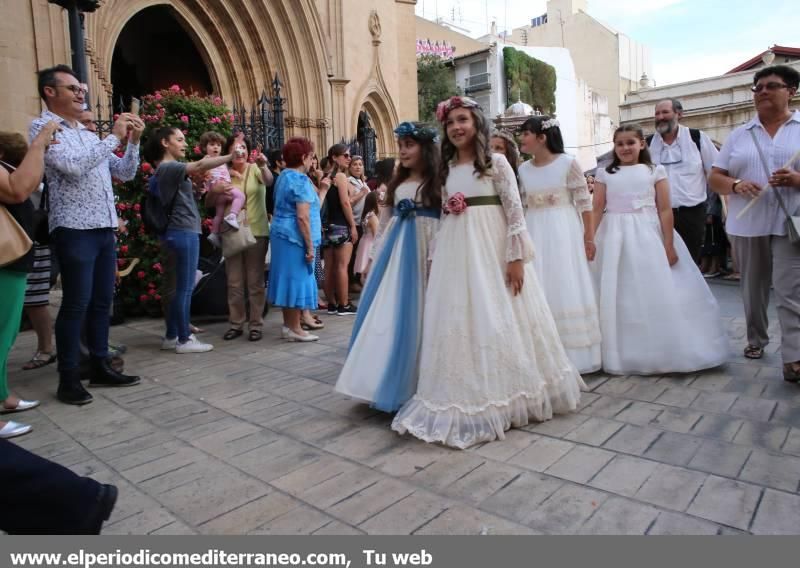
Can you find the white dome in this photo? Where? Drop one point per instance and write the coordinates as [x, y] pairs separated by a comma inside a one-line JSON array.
[[519, 109]]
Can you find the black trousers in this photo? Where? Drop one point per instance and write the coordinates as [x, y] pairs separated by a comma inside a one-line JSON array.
[[690, 222], [42, 497]]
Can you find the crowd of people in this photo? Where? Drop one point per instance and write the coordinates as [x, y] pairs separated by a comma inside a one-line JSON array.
[[490, 285]]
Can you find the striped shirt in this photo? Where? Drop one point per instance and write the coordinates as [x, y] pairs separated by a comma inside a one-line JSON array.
[[78, 171], [740, 158]]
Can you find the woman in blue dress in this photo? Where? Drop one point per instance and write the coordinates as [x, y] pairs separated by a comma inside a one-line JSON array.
[[382, 364], [295, 234]]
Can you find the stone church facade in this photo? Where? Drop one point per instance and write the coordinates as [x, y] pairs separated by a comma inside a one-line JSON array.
[[335, 58]]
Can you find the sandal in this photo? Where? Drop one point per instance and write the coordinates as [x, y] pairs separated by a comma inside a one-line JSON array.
[[232, 334], [39, 360], [753, 352], [195, 329], [255, 335]]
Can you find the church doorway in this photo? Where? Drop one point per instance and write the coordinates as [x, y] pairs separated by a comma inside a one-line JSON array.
[[154, 51]]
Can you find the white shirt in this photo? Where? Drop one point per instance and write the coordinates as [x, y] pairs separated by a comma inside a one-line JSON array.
[[740, 159], [78, 171], [687, 169]]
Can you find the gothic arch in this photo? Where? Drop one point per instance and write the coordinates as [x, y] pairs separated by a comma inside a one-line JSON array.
[[243, 45]]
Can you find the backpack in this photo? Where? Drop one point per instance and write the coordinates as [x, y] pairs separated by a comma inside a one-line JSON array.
[[693, 132], [155, 216]]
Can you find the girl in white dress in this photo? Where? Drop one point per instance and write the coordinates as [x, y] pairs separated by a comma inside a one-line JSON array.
[[657, 314], [559, 219], [383, 361], [491, 357]]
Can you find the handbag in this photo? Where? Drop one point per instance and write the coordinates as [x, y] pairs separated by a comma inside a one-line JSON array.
[[14, 242], [792, 223], [233, 241]]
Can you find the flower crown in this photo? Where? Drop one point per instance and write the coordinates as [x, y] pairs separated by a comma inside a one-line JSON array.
[[549, 123], [417, 132], [444, 107]]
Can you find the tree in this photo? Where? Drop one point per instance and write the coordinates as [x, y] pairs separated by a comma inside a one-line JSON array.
[[532, 80], [436, 81]]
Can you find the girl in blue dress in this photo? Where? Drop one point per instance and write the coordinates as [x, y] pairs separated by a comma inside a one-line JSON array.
[[383, 361]]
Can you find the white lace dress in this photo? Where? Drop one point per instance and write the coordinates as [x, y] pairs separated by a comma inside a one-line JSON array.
[[655, 318], [489, 360], [556, 196]]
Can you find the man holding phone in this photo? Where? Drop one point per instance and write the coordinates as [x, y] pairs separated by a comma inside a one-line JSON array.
[[82, 219]]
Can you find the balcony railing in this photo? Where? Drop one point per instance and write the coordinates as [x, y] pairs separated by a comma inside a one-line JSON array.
[[479, 82]]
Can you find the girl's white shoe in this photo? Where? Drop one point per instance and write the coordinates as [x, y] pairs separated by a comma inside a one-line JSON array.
[[231, 220], [292, 336]]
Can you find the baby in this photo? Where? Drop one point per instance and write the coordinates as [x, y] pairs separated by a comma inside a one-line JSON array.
[[211, 145]]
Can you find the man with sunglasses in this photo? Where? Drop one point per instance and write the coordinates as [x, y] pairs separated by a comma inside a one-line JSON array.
[[687, 155], [765, 255], [82, 219]]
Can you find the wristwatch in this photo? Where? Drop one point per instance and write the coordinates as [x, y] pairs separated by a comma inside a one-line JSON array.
[[735, 183]]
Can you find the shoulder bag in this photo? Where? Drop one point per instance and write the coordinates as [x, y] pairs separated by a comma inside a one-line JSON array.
[[233, 241]]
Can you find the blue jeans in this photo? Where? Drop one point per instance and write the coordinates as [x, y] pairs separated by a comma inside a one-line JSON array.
[[184, 246], [88, 264]]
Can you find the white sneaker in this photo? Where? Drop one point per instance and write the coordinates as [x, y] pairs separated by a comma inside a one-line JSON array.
[[214, 239], [168, 344], [232, 222], [193, 345]]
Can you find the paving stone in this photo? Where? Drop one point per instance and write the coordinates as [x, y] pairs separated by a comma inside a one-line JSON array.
[[515, 442], [557, 427], [619, 516], [446, 471], [720, 458], [145, 522], [594, 431], [566, 510], [752, 388], [520, 498], [719, 426], [671, 487], [355, 509], [711, 381], [641, 413], [607, 407], [647, 392], [406, 461], [300, 520], [678, 396], [311, 475], [340, 487], [669, 523], [633, 439], [778, 513], [580, 464], [769, 436], [406, 516], [338, 529], [726, 501], [251, 515], [481, 482], [792, 443], [786, 413], [615, 386], [753, 408], [679, 420], [719, 402], [624, 475], [773, 470], [541, 454], [462, 520], [674, 448]]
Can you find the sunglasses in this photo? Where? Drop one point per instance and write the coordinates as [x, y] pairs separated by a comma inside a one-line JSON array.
[[76, 89], [773, 86], [346, 155]]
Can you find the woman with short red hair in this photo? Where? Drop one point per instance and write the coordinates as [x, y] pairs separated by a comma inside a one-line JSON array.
[[296, 232]]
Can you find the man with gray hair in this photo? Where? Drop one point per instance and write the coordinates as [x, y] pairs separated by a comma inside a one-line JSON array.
[[687, 154]]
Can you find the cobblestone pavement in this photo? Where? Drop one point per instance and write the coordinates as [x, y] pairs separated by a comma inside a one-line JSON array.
[[250, 438]]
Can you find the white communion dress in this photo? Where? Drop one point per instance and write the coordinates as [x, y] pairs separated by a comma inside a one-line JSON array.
[[655, 318], [383, 361], [556, 196], [489, 360]]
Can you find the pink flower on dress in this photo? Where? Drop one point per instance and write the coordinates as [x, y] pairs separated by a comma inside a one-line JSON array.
[[456, 204], [184, 118]]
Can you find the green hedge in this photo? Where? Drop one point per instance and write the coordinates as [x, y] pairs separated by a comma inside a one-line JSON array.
[[532, 80]]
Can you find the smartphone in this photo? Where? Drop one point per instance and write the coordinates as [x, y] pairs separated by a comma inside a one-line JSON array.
[[135, 106]]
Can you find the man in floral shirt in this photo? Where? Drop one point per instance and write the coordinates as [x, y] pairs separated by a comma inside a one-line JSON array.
[[82, 220]]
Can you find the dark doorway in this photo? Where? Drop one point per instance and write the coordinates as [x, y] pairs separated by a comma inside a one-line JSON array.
[[155, 52]]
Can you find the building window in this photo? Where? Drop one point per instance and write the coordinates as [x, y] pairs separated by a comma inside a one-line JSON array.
[[479, 79]]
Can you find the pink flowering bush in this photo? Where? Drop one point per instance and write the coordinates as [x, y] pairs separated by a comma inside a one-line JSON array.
[[141, 291]]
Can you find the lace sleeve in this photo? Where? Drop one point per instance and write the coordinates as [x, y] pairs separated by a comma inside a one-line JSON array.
[[576, 184], [518, 245], [384, 216]]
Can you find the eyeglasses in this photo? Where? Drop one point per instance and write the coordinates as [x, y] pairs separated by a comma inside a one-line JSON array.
[[773, 86], [76, 89]]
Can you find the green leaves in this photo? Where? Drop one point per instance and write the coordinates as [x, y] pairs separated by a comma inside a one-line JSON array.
[[436, 81], [533, 81]]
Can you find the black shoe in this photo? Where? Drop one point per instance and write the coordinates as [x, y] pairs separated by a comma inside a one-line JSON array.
[[100, 510], [331, 309], [348, 310], [104, 375], [71, 391]]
